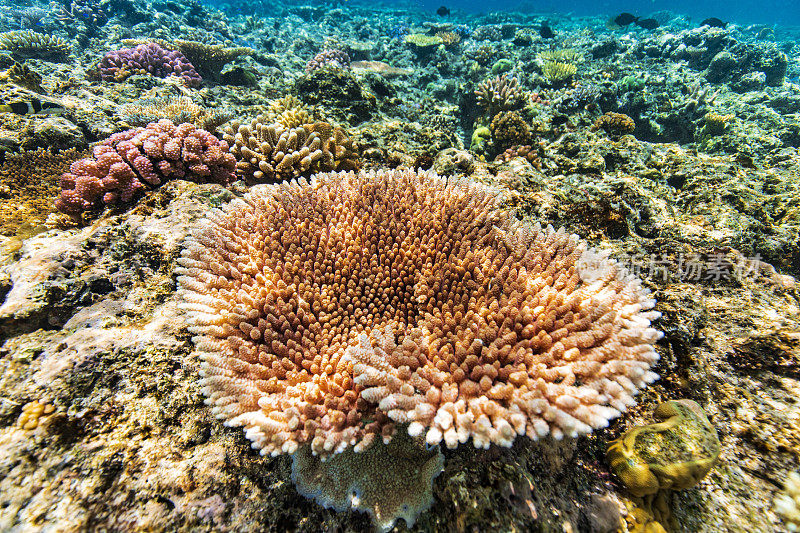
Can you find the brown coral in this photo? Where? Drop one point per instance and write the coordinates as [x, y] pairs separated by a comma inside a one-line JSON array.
[[269, 152], [326, 312], [615, 124], [500, 93], [31, 180], [524, 151], [179, 110], [508, 129]]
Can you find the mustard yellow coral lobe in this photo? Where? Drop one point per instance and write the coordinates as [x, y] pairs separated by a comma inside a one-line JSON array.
[[674, 454]]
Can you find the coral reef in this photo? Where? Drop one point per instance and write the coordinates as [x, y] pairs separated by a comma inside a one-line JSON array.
[[128, 163], [117, 65], [526, 152], [268, 152]]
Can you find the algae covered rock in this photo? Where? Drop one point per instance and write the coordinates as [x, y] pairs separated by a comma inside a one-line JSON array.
[[674, 454]]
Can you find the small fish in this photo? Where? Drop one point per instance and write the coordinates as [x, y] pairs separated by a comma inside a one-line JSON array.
[[648, 24], [714, 22], [546, 32], [443, 11], [34, 106], [624, 19]]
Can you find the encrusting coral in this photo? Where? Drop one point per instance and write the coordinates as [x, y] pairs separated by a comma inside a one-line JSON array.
[[129, 162], [673, 454], [327, 312], [268, 152]]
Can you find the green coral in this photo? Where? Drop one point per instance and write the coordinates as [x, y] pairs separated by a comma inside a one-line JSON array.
[[629, 84], [421, 40], [501, 66], [557, 72], [480, 137]]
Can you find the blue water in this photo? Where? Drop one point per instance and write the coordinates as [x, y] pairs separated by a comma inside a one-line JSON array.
[[777, 12]]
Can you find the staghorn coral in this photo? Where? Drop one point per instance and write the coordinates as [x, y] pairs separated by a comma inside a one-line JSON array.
[[421, 41], [614, 124], [558, 72], [269, 152], [127, 163], [787, 503], [448, 38], [177, 110], [563, 55], [499, 94], [28, 43], [150, 58], [330, 58], [509, 129], [326, 312]]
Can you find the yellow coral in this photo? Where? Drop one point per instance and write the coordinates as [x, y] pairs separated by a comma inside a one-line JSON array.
[[32, 413], [558, 72]]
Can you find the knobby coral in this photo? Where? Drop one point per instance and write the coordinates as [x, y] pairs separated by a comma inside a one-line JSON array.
[[128, 162], [331, 58], [615, 124], [328, 312], [149, 58]]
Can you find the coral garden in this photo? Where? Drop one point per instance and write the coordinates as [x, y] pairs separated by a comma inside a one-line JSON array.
[[437, 272]]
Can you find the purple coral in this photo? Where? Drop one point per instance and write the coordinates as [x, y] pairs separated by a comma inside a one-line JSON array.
[[127, 162], [330, 57], [148, 58]]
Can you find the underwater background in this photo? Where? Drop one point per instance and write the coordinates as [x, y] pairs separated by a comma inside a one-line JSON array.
[[357, 266]]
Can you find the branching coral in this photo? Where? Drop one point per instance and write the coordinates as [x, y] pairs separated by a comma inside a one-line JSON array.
[[500, 94], [126, 163], [557, 72], [150, 58], [177, 110], [269, 152], [31, 44], [327, 312]]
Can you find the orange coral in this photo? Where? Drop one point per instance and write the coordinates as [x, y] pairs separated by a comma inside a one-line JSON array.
[[327, 312]]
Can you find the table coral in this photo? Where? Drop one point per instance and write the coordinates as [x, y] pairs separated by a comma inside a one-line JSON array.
[[149, 58], [31, 44], [129, 162], [325, 313]]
